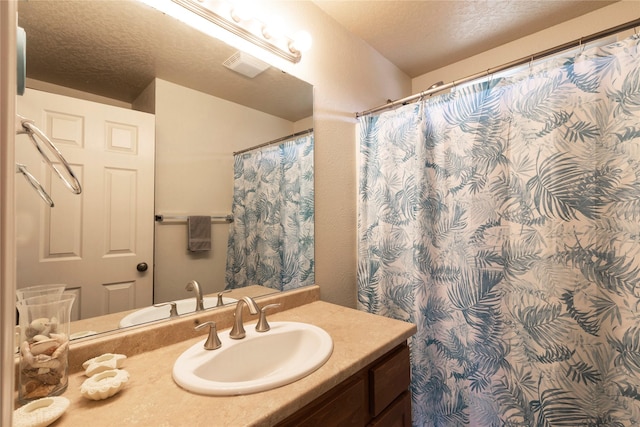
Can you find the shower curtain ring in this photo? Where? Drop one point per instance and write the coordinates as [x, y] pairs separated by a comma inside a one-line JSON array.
[[580, 49], [489, 75]]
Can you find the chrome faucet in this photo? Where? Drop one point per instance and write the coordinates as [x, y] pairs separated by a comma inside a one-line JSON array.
[[173, 311], [195, 286], [238, 332]]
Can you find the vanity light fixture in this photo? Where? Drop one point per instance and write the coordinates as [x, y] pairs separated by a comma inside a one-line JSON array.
[[239, 21]]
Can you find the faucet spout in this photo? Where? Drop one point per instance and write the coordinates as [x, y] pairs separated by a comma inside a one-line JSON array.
[[238, 332], [195, 287]]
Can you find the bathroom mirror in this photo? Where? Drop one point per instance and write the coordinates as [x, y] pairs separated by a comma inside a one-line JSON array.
[[131, 56]]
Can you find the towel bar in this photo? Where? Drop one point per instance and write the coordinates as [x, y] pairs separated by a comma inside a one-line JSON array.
[[174, 218]]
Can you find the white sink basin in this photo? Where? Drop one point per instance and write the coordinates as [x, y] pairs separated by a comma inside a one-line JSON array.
[[184, 306], [260, 361]]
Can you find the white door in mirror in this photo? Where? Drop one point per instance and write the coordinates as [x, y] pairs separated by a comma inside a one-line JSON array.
[[91, 242], [259, 362]]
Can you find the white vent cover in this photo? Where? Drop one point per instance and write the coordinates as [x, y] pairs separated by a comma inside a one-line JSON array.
[[245, 64]]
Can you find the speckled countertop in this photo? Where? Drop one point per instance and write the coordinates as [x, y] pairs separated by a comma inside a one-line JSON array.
[[151, 398]]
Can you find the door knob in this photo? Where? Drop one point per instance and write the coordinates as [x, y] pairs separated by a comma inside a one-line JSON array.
[[142, 267]]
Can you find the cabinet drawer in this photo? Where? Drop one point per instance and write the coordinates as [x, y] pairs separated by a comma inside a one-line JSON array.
[[343, 406], [388, 379]]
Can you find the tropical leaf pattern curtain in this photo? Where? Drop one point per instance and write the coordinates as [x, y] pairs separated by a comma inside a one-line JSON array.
[[503, 219], [271, 241]]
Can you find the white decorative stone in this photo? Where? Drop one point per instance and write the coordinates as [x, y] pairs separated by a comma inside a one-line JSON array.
[[102, 363], [41, 412], [44, 346], [105, 384], [40, 324]]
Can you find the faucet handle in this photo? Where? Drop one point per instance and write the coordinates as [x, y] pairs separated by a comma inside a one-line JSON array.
[[173, 311], [263, 325], [212, 342], [220, 302]]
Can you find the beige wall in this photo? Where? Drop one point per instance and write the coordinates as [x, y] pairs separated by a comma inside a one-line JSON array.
[[61, 90], [348, 76], [196, 135]]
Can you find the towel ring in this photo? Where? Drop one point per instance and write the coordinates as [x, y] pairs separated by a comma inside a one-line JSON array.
[[34, 183], [28, 127]]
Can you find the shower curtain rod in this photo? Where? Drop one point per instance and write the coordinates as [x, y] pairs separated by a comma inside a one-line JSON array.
[[575, 43], [284, 138]]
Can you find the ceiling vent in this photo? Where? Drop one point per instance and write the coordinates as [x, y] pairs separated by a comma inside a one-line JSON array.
[[245, 64]]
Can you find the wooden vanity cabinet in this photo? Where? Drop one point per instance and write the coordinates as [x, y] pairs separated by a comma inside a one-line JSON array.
[[377, 396]]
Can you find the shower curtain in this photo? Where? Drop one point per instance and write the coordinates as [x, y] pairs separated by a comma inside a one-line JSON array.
[[503, 219], [272, 237]]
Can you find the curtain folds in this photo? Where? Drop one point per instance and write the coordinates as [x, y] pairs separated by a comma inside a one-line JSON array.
[[271, 241], [503, 219]]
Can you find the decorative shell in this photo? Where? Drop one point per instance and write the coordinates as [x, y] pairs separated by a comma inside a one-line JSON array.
[[41, 412], [102, 363], [105, 384]]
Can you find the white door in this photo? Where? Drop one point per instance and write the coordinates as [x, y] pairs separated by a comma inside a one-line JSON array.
[[92, 242]]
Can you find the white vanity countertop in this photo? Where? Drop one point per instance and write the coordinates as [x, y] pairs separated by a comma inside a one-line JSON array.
[[151, 398]]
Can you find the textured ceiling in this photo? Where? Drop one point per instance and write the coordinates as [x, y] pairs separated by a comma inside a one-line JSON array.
[[116, 48], [421, 36]]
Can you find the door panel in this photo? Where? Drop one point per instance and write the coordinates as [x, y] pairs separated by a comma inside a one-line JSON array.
[[91, 242]]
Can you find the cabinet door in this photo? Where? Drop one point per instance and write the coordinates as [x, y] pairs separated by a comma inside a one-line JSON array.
[[342, 406], [398, 414], [389, 378]]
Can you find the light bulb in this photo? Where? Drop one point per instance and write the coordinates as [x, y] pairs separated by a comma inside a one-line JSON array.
[[301, 42], [274, 27], [241, 11]]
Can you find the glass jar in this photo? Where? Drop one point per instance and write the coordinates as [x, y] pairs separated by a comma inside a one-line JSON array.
[[44, 345]]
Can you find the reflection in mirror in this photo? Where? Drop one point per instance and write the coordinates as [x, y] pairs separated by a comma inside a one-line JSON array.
[[149, 117]]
